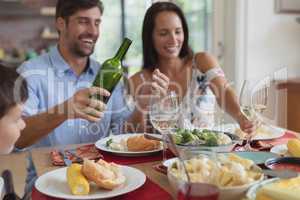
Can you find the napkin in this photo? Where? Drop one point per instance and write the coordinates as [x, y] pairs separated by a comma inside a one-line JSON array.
[[75, 155], [268, 144], [257, 145]]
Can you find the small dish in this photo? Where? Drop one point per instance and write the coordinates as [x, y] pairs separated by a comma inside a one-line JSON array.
[[288, 163], [258, 157], [281, 150]]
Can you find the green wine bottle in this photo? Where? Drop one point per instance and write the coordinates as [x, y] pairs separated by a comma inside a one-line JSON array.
[[111, 70]]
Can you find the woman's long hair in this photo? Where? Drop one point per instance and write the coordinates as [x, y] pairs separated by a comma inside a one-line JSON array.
[[150, 56]]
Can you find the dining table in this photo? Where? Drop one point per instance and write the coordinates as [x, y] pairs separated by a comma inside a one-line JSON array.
[[156, 182]]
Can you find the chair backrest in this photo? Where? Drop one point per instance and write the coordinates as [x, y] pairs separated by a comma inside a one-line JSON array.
[[262, 97]]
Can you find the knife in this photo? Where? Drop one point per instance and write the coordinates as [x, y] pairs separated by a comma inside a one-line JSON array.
[[284, 174], [153, 136], [9, 186], [67, 161]]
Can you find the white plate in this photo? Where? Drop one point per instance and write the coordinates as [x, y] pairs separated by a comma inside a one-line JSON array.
[[54, 184], [101, 144], [275, 132], [1, 187], [169, 162], [251, 193], [280, 149]]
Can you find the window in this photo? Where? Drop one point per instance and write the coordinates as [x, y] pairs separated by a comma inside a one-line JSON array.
[[198, 14]]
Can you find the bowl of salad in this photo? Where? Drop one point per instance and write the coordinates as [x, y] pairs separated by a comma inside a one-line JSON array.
[[204, 140]]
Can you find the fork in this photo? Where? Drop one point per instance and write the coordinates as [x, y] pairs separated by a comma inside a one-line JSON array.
[[73, 153]]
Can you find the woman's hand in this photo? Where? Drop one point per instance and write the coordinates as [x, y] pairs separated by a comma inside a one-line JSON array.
[[246, 125], [157, 85], [160, 82]]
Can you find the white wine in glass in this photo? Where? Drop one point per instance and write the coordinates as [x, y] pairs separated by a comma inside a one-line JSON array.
[[164, 114]]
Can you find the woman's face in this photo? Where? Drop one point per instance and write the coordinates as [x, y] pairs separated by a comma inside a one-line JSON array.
[[168, 35]]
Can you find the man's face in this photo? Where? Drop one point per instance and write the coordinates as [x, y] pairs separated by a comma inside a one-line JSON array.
[[80, 32]]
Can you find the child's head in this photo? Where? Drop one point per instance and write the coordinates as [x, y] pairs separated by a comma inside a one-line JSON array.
[[13, 93]]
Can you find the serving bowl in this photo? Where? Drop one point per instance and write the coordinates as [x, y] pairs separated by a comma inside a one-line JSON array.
[[196, 148], [226, 193]]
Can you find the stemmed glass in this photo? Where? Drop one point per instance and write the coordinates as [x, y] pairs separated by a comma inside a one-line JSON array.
[[188, 190], [246, 108], [164, 114], [253, 101]]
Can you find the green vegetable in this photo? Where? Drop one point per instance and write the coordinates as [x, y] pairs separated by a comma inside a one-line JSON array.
[[184, 136], [177, 138], [108, 142], [187, 136]]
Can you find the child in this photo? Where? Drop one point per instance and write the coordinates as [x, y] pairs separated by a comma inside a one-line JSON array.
[[13, 93]]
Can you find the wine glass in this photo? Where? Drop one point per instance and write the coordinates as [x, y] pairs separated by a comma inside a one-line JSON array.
[[163, 114], [245, 100], [198, 191], [190, 190]]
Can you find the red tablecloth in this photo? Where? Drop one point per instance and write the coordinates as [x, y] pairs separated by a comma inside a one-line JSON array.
[[91, 152], [134, 160], [282, 140], [149, 191]]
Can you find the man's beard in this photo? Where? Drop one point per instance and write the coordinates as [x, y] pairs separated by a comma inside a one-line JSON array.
[[78, 51]]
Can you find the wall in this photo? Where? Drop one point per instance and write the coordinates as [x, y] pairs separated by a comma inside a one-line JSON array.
[[272, 49], [261, 43], [21, 28], [273, 40]]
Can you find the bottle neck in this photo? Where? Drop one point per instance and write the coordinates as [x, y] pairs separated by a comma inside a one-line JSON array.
[[123, 49]]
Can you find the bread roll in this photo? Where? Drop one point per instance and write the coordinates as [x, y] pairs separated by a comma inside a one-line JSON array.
[[140, 143], [105, 175]]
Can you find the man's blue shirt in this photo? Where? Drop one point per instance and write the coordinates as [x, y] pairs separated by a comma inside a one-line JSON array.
[[51, 81]]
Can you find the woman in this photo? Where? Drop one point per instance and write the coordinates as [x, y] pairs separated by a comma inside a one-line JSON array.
[[169, 64]]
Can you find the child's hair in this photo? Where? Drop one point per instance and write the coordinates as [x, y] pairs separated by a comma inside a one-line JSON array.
[[13, 89]]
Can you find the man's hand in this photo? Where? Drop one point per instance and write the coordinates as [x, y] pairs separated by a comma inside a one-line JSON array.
[[82, 105]]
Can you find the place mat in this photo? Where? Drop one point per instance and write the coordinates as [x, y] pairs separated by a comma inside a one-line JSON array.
[[266, 145], [161, 168], [91, 152], [148, 191]]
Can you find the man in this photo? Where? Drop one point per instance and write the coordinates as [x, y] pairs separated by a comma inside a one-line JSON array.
[[58, 107], [59, 110]]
